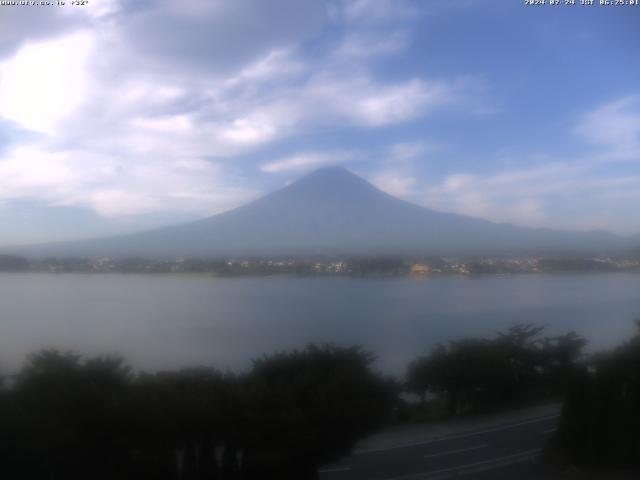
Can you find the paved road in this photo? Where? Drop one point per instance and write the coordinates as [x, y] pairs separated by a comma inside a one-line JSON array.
[[497, 451]]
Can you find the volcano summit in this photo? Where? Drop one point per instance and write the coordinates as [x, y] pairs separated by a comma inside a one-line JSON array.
[[332, 212]]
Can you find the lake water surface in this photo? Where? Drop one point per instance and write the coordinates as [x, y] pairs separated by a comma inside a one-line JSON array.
[[172, 321]]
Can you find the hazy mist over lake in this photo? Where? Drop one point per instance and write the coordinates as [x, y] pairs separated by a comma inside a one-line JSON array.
[[160, 322]]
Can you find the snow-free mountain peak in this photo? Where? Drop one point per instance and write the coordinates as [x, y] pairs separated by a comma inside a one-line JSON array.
[[332, 211]]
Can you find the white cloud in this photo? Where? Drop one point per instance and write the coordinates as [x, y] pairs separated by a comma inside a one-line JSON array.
[[243, 114], [368, 103], [362, 45], [277, 64], [259, 126], [407, 151], [398, 171], [511, 196], [45, 82], [394, 183], [615, 125], [377, 11], [97, 9], [557, 195], [306, 161], [142, 106], [397, 103], [113, 186]]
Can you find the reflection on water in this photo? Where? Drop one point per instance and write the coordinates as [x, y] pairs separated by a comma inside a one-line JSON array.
[[170, 321]]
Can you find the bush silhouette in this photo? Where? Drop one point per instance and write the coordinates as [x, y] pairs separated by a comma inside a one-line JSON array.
[[482, 374], [600, 423], [68, 418]]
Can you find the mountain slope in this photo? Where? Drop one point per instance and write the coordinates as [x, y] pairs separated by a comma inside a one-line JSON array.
[[332, 211]]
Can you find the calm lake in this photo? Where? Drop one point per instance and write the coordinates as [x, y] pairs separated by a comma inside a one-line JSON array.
[[172, 321]]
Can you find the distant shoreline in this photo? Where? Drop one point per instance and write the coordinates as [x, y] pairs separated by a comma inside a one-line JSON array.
[[364, 266], [346, 275]]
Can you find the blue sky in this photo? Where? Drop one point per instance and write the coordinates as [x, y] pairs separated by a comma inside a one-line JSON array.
[[125, 115]]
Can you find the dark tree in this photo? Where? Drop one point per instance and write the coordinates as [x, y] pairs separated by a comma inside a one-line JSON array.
[[482, 374], [308, 407], [600, 423]]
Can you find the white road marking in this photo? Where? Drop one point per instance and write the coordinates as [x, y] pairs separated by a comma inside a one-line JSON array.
[[455, 437], [471, 467], [460, 450], [547, 432], [334, 470]]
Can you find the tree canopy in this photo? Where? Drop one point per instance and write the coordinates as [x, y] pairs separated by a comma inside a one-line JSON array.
[[70, 418], [480, 374]]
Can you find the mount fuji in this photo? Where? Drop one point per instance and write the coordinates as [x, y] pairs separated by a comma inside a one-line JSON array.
[[332, 212]]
